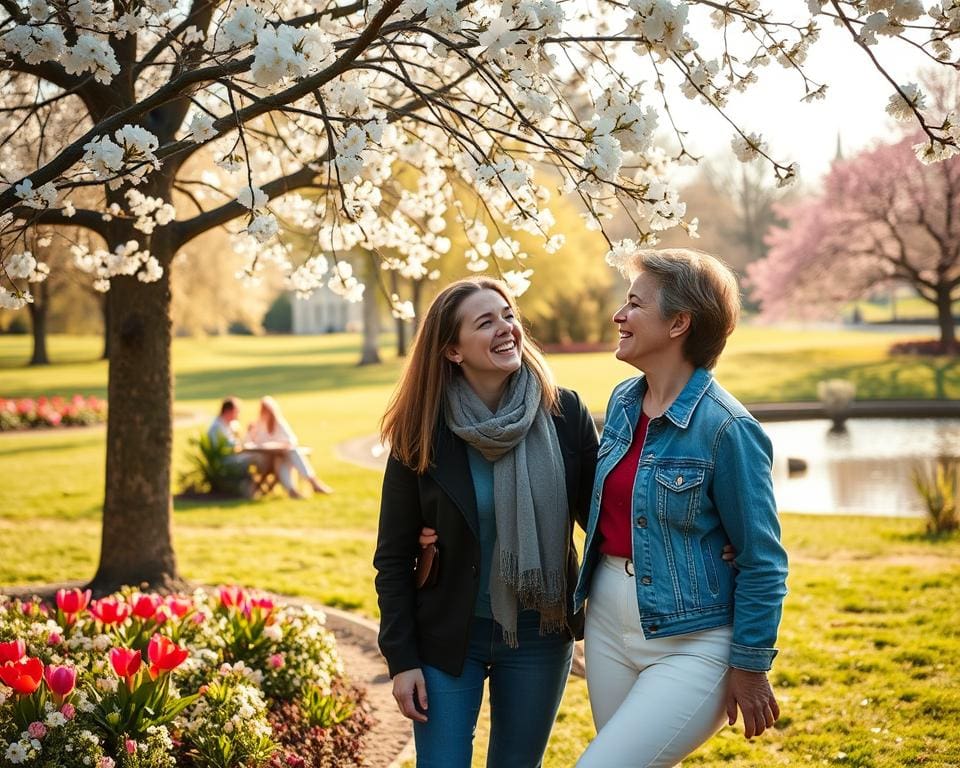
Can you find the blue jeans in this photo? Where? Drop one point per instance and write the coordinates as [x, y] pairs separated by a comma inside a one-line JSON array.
[[526, 684]]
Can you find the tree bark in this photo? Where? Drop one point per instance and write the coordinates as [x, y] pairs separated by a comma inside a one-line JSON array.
[[948, 339], [38, 325], [370, 354], [399, 325], [136, 541], [105, 314]]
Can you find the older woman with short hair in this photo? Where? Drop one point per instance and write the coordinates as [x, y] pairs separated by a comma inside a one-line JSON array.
[[676, 640]]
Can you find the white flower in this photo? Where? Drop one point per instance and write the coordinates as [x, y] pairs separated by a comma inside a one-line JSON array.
[[497, 36], [201, 128], [103, 156], [902, 106], [263, 227], [21, 265], [16, 753], [748, 148], [242, 27], [402, 310], [517, 282], [152, 271], [55, 719], [93, 54], [934, 152], [252, 198], [604, 157]]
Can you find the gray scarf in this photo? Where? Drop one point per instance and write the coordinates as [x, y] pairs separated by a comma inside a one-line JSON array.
[[530, 498]]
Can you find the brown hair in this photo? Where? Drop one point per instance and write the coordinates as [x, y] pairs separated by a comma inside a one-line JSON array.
[[699, 284], [229, 404], [411, 417]]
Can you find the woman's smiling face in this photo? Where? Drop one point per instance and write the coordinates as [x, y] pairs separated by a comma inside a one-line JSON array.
[[490, 341]]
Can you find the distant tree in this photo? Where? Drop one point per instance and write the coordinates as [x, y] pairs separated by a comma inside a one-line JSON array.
[[279, 318], [881, 219]]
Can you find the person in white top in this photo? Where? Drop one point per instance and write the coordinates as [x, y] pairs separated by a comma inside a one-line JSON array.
[[272, 429]]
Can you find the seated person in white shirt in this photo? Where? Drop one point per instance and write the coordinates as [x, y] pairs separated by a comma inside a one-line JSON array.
[[271, 429]]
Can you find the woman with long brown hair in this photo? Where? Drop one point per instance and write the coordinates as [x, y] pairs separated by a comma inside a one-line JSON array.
[[499, 461], [272, 429]]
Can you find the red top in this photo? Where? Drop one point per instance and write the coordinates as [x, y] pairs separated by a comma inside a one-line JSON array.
[[616, 503]]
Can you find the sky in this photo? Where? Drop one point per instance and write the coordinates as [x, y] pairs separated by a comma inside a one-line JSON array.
[[854, 107]]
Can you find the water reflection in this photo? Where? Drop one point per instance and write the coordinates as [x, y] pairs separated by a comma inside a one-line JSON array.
[[864, 470]]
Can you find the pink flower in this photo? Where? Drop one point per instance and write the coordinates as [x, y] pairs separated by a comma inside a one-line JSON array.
[[109, 610], [68, 710], [72, 601], [232, 597], [54, 638], [107, 762], [37, 730], [131, 746], [60, 680], [277, 661], [179, 606]]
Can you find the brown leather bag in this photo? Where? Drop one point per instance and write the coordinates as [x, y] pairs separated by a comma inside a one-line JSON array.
[[427, 569]]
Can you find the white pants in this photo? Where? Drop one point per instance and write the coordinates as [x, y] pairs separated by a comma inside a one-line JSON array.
[[293, 459], [654, 701]]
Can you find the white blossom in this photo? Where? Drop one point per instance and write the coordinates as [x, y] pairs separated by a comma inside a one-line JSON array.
[[902, 105]]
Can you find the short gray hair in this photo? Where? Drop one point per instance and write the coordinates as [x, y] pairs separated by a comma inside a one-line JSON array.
[[697, 283]]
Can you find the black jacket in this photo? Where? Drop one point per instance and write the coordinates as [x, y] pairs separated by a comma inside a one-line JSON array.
[[432, 625]]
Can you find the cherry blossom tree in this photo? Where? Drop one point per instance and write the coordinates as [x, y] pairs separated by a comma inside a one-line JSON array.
[[304, 108], [881, 219]]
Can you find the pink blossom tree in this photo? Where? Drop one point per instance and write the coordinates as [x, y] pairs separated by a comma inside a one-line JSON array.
[[881, 218]]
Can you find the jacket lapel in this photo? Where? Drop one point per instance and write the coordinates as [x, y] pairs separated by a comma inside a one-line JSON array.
[[452, 473]]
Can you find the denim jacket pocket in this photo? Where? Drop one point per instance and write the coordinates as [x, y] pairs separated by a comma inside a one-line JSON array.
[[678, 495]]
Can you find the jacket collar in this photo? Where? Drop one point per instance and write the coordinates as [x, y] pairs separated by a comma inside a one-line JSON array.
[[681, 410]]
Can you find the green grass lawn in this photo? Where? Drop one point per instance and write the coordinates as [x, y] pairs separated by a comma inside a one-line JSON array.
[[871, 633]]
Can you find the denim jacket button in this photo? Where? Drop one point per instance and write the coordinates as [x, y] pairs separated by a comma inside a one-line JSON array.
[[679, 480], [653, 627], [646, 581], [641, 522]]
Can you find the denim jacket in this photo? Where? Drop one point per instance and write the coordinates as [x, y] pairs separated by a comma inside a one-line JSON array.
[[703, 480]]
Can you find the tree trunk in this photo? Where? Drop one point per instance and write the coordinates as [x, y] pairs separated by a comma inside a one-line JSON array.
[[370, 354], [948, 339], [38, 324], [399, 325], [136, 543], [105, 314]]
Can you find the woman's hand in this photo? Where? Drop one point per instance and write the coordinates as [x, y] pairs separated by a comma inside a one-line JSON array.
[[410, 691], [428, 536], [751, 692], [728, 553]]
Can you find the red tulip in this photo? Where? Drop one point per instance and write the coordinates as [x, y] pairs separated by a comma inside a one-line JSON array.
[[24, 676], [109, 610], [179, 606], [165, 655], [12, 651], [60, 680], [145, 606], [125, 661], [232, 597], [72, 601]]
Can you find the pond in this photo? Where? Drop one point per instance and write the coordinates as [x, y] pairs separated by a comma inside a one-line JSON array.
[[865, 470]]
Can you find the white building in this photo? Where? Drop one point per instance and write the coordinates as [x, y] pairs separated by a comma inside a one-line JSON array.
[[325, 312]]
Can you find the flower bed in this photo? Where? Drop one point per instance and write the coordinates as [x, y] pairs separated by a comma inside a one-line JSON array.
[[45, 412], [136, 680]]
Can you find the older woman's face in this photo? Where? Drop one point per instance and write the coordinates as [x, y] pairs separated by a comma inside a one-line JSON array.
[[644, 333]]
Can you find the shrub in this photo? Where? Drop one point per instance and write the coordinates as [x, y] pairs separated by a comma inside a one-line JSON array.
[[143, 681], [212, 469], [47, 412], [937, 487], [279, 318]]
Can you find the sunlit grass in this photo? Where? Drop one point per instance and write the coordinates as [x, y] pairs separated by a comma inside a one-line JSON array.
[[871, 625]]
